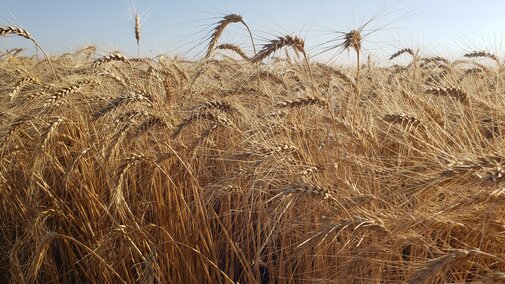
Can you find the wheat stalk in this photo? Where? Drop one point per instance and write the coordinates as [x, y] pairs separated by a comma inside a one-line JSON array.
[[133, 97], [440, 265], [221, 25], [268, 49], [109, 58], [484, 54], [137, 33], [56, 97], [451, 91], [407, 121], [19, 85], [233, 48], [302, 102], [148, 124], [6, 30], [196, 116], [46, 134], [402, 51], [305, 188], [295, 42]]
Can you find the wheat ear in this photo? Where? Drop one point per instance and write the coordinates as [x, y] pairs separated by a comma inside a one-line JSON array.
[[233, 48], [221, 25], [4, 31], [137, 33], [484, 54], [295, 42], [402, 51]]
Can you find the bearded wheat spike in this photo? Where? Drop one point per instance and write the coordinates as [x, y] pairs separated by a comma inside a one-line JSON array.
[[302, 102], [137, 33], [221, 25], [141, 96], [484, 54], [233, 48], [402, 51], [109, 58], [451, 91], [289, 40], [305, 188], [408, 121], [4, 31]]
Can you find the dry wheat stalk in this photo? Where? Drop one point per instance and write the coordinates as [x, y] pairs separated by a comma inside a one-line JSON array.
[[275, 114], [55, 98], [233, 48], [19, 85], [29, 98], [266, 152], [302, 102], [305, 188], [137, 33], [295, 42], [205, 135], [342, 225], [440, 265], [339, 74], [131, 116], [484, 54], [219, 105], [426, 107], [488, 168], [109, 58], [148, 124], [12, 129], [196, 116], [494, 277], [402, 51], [221, 25], [309, 171], [12, 52], [75, 159], [6, 30], [451, 91], [435, 60], [118, 195], [46, 134], [407, 121], [133, 97], [110, 74]]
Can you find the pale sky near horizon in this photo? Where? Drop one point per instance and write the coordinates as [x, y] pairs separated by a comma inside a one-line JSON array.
[[444, 27]]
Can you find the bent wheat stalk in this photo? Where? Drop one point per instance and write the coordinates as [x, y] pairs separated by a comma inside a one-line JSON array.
[[4, 31], [221, 25], [233, 48], [295, 42]]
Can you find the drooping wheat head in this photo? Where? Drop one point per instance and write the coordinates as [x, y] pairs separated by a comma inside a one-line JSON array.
[[6, 30], [221, 25]]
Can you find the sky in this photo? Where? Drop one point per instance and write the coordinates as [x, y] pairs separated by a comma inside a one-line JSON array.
[[443, 27]]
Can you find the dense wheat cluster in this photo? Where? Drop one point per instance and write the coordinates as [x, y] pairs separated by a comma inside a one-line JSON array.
[[226, 169]]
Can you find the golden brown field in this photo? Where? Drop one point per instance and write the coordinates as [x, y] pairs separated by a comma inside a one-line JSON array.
[[253, 170]]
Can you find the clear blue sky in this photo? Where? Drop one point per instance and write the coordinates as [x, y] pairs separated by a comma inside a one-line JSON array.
[[180, 27]]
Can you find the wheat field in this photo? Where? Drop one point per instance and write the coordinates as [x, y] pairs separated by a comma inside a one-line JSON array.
[[251, 168]]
